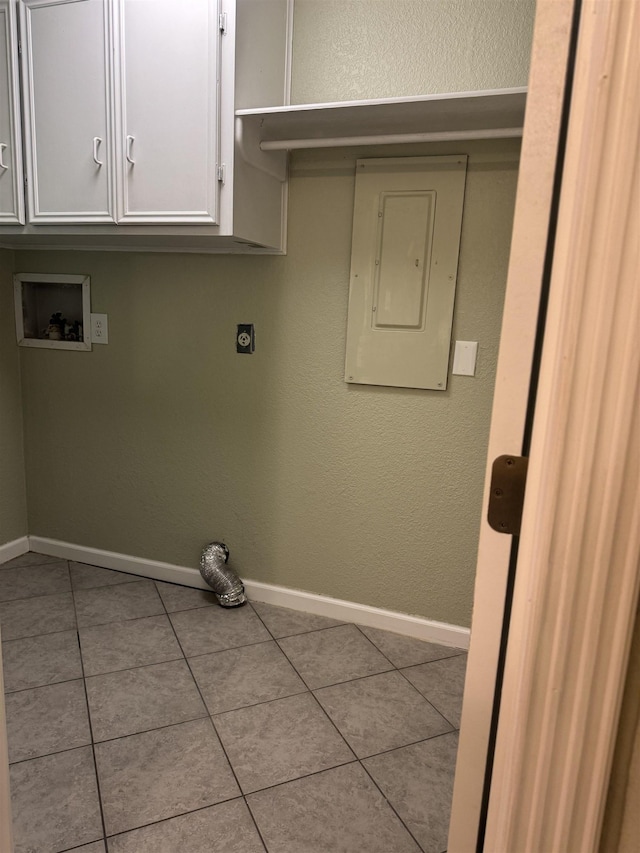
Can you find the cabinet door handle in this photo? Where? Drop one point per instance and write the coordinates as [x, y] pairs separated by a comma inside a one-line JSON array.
[[3, 145], [130, 141], [96, 142]]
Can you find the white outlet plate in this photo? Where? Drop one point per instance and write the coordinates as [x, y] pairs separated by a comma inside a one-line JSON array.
[[464, 358], [99, 329]]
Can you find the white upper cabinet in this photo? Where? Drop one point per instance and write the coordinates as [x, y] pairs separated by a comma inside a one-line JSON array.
[[167, 110], [150, 118], [66, 80], [129, 122], [11, 193]]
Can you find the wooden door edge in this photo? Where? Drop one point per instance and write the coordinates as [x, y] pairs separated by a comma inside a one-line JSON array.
[[577, 581], [536, 177]]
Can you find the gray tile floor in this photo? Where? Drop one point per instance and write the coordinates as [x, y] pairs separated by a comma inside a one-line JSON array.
[[143, 718]]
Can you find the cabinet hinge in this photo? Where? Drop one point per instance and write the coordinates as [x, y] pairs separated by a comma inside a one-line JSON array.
[[222, 22], [222, 173], [506, 497]]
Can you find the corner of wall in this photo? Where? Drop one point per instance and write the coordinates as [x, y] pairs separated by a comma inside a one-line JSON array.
[[13, 496]]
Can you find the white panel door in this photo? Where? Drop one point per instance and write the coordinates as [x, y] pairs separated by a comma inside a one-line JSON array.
[[11, 184], [168, 135], [66, 95]]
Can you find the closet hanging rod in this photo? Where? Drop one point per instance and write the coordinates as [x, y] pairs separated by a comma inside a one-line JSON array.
[[389, 139]]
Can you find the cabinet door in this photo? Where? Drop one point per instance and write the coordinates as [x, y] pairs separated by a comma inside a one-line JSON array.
[[65, 63], [168, 111], [11, 182]]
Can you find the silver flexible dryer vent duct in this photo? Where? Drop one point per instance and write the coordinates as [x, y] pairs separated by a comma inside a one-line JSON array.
[[225, 583]]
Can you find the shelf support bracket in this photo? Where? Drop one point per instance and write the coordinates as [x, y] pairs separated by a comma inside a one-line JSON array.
[[248, 147]]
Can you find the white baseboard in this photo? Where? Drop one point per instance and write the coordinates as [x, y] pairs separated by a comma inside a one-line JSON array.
[[362, 614], [120, 562], [17, 548], [308, 602]]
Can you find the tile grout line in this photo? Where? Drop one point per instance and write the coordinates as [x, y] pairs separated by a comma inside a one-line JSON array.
[[382, 794], [349, 680], [39, 686], [211, 716], [42, 594], [86, 699], [131, 668], [207, 654], [279, 699], [48, 755], [427, 700], [406, 745], [91, 675], [391, 806], [6, 640], [331, 722], [299, 633], [220, 713], [37, 596], [213, 726], [197, 657], [304, 776], [82, 846], [399, 670], [358, 760], [362, 633], [165, 819], [358, 678], [31, 565], [137, 578], [277, 640], [434, 660], [458, 653], [257, 704], [230, 649], [205, 716], [266, 627], [384, 752], [333, 684], [349, 747]]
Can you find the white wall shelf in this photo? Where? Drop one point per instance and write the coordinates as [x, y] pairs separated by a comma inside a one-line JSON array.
[[494, 113]]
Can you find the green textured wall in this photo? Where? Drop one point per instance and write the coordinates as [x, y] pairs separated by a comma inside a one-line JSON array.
[[166, 439], [352, 49], [13, 506]]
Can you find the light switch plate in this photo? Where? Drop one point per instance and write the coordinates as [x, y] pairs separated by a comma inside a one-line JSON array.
[[464, 358], [99, 329]]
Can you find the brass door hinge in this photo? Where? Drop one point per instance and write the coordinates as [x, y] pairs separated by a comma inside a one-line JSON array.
[[506, 498]]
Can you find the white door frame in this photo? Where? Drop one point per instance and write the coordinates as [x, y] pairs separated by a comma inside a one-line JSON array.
[[517, 341], [577, 583], [577, 579]]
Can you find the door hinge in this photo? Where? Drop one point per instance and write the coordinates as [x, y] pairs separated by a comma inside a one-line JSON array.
[[506, 496], [222, 173], [222, 22], [19, 48]]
